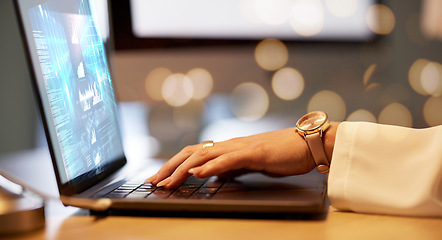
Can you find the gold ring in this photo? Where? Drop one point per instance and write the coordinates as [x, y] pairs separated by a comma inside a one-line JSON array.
[[207, 144]]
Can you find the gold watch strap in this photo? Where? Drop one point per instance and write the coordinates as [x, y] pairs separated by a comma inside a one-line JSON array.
[[314, 142]]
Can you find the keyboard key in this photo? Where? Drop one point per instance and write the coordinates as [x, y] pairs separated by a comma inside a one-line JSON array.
[[160, 193], [137, 195], [193, 188], [130, 185], [201, 196], [147, 186], [207, 190], [195, 181], [115, 195], [182, 193], [145, 191], [213, 184], [126, 191]]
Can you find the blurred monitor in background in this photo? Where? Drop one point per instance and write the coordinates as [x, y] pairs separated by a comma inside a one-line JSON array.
[[313, 20], [252, 19]]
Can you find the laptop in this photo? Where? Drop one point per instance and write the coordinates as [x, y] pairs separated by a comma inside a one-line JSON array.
[[74, 91]]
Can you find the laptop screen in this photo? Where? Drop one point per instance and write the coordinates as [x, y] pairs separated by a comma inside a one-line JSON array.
[[74, 87]]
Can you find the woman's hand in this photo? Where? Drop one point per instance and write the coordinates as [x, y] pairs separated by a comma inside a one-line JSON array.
[[278, 153]]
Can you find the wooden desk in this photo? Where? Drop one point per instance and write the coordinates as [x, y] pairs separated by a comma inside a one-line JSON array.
[[337, 225], [73, 223]]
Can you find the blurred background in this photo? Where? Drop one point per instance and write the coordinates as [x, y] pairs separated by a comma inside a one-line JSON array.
[[188, 71]]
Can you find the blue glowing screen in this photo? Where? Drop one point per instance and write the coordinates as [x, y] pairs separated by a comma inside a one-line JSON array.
[[77, 85]]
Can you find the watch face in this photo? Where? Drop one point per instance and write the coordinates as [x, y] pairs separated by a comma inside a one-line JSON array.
[[312, 121]]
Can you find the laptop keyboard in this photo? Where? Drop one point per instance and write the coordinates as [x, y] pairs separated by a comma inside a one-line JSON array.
[[193, 188]]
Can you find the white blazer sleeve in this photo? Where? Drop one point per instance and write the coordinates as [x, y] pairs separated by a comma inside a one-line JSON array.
[[387, 169]]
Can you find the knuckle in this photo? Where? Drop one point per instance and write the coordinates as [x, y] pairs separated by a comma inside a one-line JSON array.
[[188, 150], [202, 152]]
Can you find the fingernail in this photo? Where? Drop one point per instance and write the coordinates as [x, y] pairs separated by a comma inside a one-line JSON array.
[[164, 182], [160, 184], [191, 171]]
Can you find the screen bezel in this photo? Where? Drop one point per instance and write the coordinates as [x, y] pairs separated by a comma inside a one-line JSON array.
[[81, 182]]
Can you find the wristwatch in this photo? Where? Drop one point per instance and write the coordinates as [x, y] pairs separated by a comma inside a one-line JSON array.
[[311, 126]]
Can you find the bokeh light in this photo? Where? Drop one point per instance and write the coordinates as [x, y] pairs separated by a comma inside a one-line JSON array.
[[372, 86], [273, 12], [271, 54], [431, 79], [414, 75], [202, 82], [154, 82], [361, 115], [367, 76], [307, 17], [329, 102], [380, 19], [396, 114], [250, 101], [342, 8], [433, 111], [288, 83], [368, 73], [425, 77], [177, 89], [431, 19]]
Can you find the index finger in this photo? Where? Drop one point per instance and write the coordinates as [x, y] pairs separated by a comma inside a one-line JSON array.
[[198, 158], [169, 167]]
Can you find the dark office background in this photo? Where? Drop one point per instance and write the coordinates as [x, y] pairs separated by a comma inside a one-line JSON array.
[[364, 80]]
